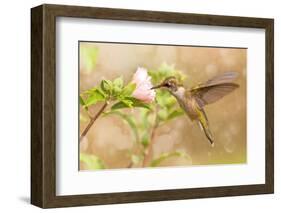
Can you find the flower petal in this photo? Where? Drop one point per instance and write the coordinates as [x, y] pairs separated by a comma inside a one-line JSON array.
[[143, 85]]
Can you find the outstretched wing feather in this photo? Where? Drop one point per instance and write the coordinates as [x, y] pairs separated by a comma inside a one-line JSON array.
[[215, 88], [211, 94], [226, 77]]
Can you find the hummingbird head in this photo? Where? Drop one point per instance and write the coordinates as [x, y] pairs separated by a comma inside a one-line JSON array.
[[169, 83]]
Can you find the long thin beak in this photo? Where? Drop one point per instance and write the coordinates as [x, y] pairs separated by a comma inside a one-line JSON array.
[[156, 87]]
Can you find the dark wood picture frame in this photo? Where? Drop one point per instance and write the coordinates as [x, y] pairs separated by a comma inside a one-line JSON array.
[[43, 105]]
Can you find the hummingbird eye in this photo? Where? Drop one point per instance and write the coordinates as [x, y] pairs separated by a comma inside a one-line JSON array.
[[168, 84]]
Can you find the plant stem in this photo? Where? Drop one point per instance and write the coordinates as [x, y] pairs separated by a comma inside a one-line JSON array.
[[148, 155], [92, 120]]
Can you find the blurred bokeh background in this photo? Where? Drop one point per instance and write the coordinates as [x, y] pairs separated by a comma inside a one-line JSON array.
[[111, 140]]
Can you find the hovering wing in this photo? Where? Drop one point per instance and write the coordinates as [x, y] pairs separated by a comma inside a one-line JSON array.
[[215, 88], [226, 77]]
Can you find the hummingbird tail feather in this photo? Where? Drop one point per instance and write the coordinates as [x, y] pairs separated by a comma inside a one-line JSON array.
[[207, 132]]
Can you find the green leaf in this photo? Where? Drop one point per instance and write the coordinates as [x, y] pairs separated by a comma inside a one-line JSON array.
[[94, 97], [117, 87], [94, 90], [119, 105], [116, 92], [128, 90], [89, 56], [144, 117], [165, 156], [82, 102], [145, 139], [165, 99], [162, 114], [170, 101], [175, 113], [107, 86], [129, 119], [118, 82], [164, 71], [92, 162], [101, 92], [129, 102], [138, 103]]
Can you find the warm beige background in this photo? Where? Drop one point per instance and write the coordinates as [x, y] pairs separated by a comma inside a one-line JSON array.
[[111, 139]]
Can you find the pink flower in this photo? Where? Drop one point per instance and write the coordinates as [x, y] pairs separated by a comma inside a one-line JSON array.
[[143, 90]]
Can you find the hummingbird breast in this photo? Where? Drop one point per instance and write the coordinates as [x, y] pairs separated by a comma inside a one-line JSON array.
[[187, 103]]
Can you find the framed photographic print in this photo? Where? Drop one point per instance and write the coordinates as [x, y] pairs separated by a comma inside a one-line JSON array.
[[135, 106]]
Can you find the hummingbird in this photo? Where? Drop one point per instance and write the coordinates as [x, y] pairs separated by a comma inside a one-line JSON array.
[[193, 100]]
